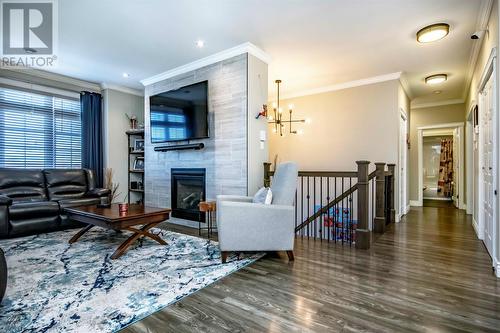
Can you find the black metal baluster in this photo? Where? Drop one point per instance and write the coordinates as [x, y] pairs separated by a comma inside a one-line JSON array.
[[328, 202], [308, 207], [342, 234], [321, 207], [302, 205]]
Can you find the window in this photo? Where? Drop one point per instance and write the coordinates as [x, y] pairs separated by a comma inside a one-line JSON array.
[[39, 131]]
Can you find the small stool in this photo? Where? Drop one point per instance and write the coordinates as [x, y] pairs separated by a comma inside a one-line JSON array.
[[207, 207]]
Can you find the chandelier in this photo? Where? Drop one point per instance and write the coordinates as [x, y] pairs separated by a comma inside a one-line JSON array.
[[278, 119]]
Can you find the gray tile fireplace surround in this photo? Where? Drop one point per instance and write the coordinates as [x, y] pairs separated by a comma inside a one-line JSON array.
[[225, 154]]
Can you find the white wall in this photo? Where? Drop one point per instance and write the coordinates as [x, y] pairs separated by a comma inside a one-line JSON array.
[[116, 105], [360, 123]]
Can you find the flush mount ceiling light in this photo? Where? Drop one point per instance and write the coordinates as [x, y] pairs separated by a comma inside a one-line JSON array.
[[200, 43], [436, 79], [437, 92], [433, 32], [126, 75]]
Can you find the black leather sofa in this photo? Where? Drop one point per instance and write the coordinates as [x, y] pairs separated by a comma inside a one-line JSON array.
[[33, 201], [3, 275]]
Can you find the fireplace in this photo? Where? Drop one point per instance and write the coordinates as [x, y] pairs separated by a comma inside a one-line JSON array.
[[188, 189]]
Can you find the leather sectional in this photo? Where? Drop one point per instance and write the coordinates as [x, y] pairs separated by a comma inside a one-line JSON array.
[[33, 201]]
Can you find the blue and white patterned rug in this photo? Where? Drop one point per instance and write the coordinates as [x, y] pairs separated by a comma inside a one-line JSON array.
[[57, 287]]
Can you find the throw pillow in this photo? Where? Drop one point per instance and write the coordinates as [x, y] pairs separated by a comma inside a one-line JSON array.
[[263, 196]]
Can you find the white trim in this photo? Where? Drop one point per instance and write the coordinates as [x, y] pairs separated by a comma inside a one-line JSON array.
[[482, 24], [439, 103], [446, 125], [476, 228], [420, 165], [406, 85], [488, 69], [415, 203], [402, 178], [214, 58], [37, 73], [122, 89], [437, 199], [496, 267], [345, 85], [36, 87]]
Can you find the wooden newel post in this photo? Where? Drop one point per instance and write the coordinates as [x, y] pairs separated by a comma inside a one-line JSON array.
[[392, 170], [267, 176], [363, 234], [379, 218]]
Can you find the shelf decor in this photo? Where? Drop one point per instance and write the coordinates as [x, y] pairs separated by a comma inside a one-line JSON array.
[[135, 166], [278, 120]]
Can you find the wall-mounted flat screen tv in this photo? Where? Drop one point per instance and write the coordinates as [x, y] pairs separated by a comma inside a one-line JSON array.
[[180, 114]]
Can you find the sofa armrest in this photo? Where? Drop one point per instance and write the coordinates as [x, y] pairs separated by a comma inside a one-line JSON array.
[[246, 226], [98, 192], [234, 198], [5, 200]]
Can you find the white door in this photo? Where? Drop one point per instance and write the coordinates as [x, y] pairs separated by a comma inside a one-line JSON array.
[[487, 156], [402, 163]]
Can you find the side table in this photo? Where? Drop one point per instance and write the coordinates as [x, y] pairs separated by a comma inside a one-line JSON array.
[[207, 207]]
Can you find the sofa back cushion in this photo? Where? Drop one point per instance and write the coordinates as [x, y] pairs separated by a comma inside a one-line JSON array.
[[23, 184], [66, 183], [284, 184]]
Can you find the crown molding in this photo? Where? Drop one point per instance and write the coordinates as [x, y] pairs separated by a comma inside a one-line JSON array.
[[439, 103], [345, 85], [122, 89], [481, 24], [214, 58], [406, 86], [35, 76]]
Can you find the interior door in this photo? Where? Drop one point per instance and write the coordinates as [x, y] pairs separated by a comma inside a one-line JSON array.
[[487, 136], [402, 164]]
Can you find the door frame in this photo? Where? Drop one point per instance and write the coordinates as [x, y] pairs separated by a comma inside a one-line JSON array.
[[490, 71], [469, 159], [460, 176], [402, 176]]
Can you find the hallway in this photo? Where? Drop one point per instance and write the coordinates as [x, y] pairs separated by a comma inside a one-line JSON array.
[[428, 273]]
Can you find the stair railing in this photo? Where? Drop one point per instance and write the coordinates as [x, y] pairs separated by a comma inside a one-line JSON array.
[[344, 207]]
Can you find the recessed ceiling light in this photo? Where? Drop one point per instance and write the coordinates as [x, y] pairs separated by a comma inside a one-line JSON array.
[[436, 79], [125, 75], [433, 32], [437, 92], [200, 43]]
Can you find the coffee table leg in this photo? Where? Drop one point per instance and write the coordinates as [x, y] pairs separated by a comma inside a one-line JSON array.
[[80, 233], [137, 234]]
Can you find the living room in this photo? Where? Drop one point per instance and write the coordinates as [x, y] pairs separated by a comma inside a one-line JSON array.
[[247, 166]]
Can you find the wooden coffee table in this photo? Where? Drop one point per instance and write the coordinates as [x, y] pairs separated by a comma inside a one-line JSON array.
[[110, 218]]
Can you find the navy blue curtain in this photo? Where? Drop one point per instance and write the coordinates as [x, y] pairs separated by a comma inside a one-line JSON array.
[[92, 132]]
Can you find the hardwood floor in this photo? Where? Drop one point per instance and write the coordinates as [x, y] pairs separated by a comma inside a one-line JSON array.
[[428, 273]]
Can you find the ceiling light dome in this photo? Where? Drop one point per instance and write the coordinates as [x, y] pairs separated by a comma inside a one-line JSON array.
[[436, 79], [433, 32]]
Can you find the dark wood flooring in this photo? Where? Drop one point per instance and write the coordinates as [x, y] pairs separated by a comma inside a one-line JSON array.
[[428, 273], [438, 203]]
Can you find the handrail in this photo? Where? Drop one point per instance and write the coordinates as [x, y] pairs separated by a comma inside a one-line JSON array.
[[339, 174], [325, 209]]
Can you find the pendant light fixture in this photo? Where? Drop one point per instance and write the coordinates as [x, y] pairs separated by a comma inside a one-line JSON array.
[[278, 119]]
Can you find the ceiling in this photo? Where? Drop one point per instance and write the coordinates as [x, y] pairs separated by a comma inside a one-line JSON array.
[[313, 43]]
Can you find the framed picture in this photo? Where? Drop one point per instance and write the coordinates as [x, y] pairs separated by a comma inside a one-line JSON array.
[[139, 163], [139, 145]]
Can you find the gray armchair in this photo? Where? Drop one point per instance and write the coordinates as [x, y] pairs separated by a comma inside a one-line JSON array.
[[246, 226]]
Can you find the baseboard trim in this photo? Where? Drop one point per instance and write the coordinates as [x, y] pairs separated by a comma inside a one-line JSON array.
[[415, 203], [496, 267], [407, 209], [475, 226], [437, 199]]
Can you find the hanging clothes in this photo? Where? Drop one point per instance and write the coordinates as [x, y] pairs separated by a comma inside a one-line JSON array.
[[445, 182]]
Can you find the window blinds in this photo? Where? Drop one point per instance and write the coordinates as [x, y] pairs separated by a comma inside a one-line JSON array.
[[39, 131]]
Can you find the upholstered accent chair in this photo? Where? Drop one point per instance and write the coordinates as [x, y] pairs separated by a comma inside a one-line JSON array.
[[246, 226]]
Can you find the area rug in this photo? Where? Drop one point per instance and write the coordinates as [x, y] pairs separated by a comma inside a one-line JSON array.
[[57, 287]]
